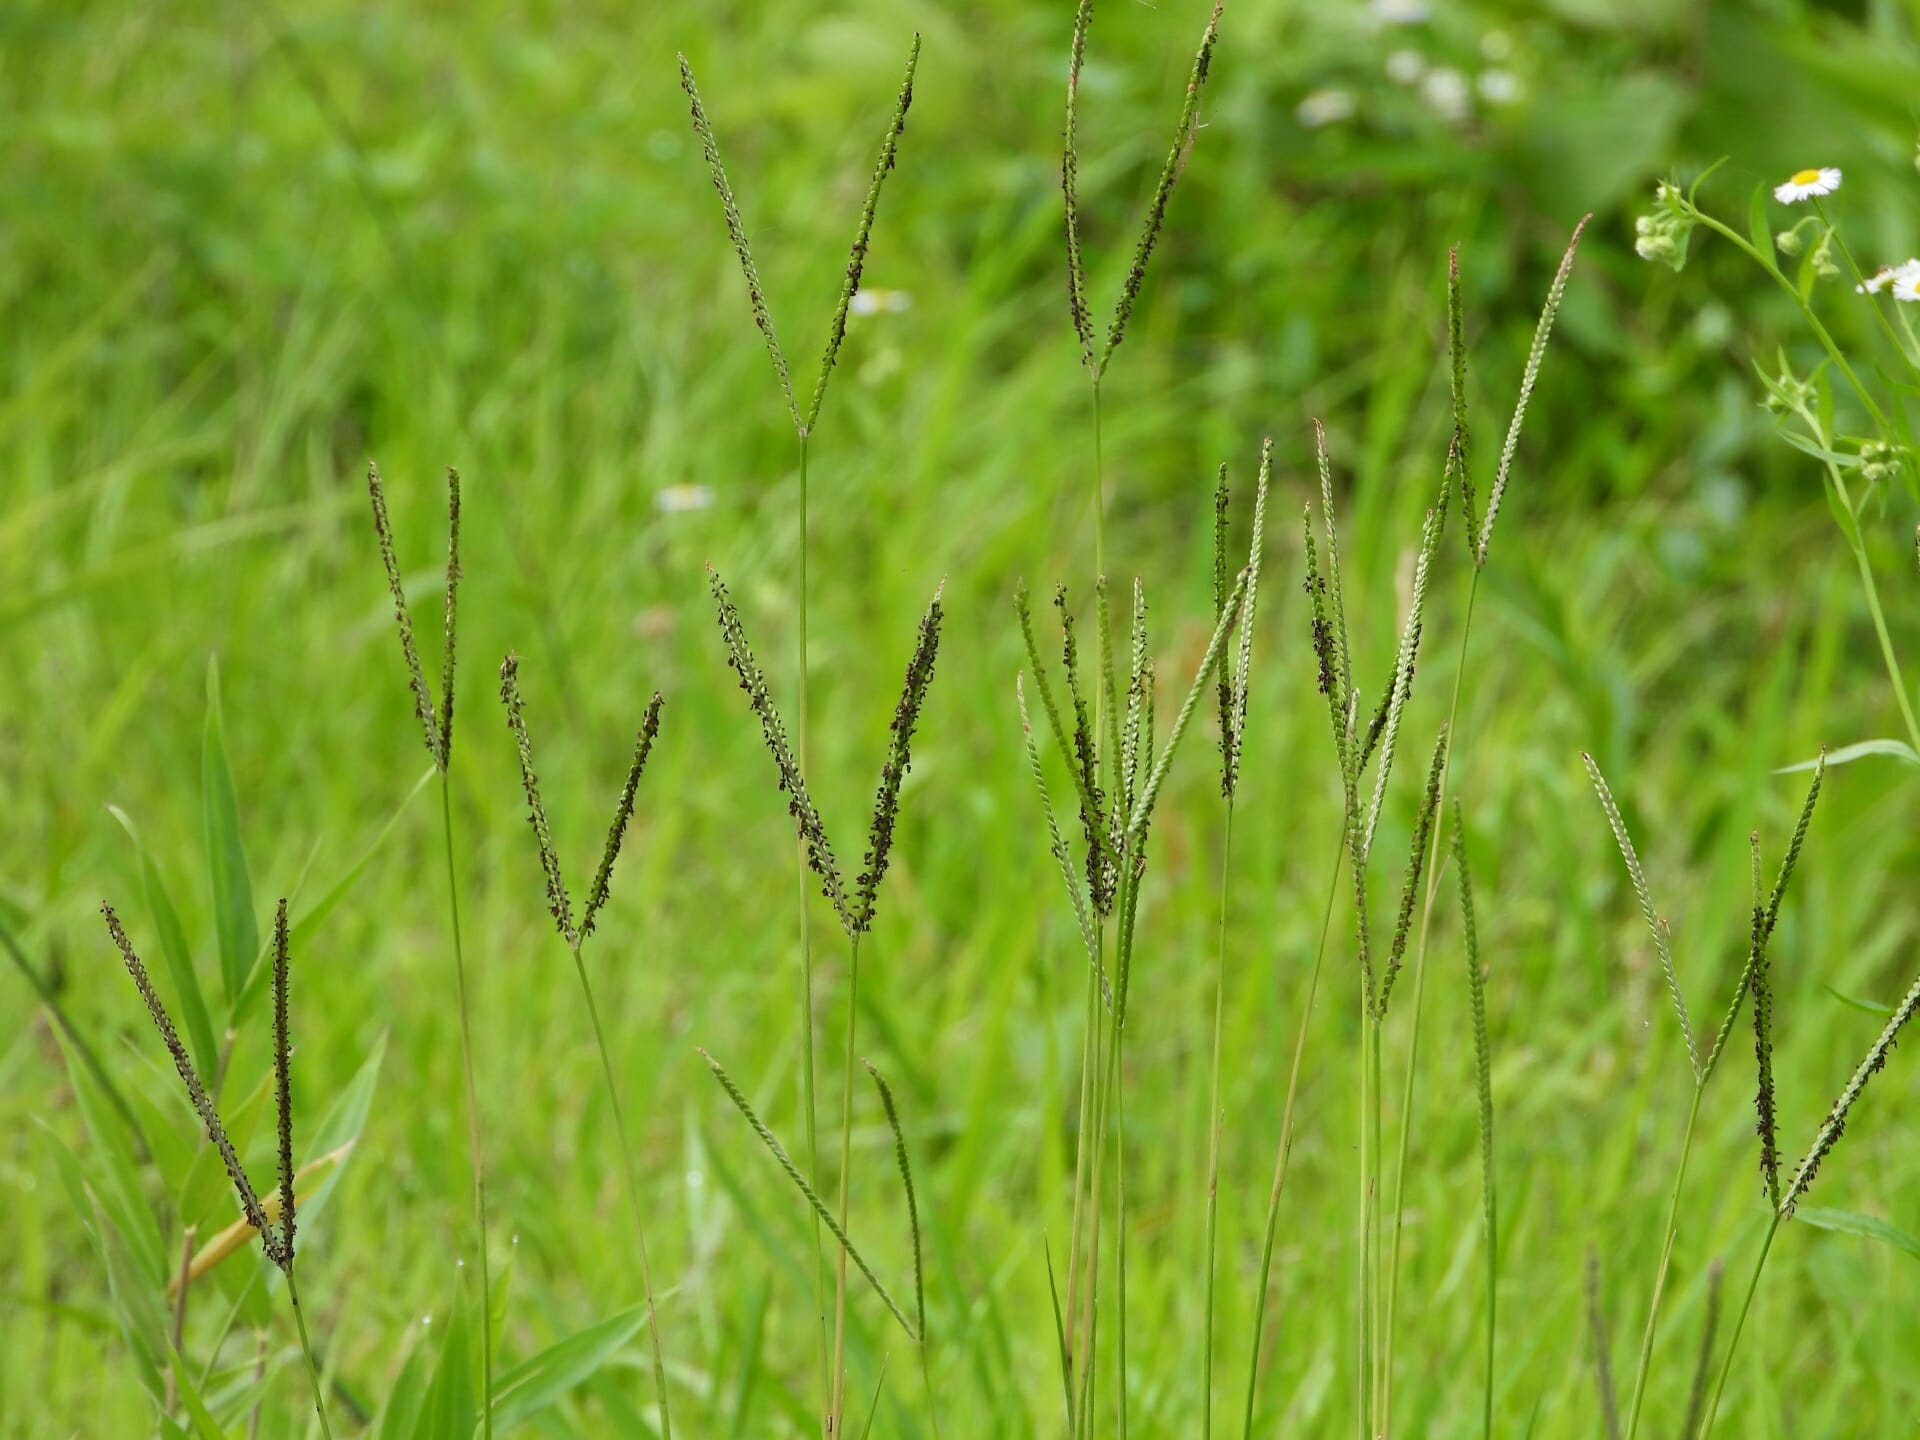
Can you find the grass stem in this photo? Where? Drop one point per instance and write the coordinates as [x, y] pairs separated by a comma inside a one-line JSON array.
[[1213, 1126], [846, 1175], [1659, 1284], [306, 1348], [1739, 1323]]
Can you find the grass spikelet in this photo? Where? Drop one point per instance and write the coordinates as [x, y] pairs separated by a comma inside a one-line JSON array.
[[813, 832], [913, 1207], [282, 1092], [1162, 191], [1535, 354], [863, 233], [1142, 812], [1058, 846], [1416, 867], [1400, 681], [1461, 448], [557, 902], [886, 804], [1792, 857], [1086, 760], [1340, 658], [1070, 187], [1023, 608], [1602, 1348], [1483, 1087], [1834, 1126], [449, 616], [196, 1092], [1661, 937], [737, 234], [622, 813], [1767, 1126], [1136, 739], [403, 620], [1224, 684], [1234, 692], [1697, 1392], [785, 1161]]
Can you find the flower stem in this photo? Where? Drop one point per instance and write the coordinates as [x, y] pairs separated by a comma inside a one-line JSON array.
[[473, 1115], [1666, 1254], [313, 1365], [846, 1175], [1213, 1128], [1739, 1323]]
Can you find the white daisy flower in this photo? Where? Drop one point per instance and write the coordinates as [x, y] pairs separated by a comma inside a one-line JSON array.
[[1804, 184], [1876, 282], [1906, 284]]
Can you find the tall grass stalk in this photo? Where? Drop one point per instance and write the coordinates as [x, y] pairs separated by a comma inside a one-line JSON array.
[[1483, 1084], [436, 724], [575, 934], [1480, 544], [804, 423], [1765, 914]]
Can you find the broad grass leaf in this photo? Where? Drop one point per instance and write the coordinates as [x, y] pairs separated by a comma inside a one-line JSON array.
[[1898, 749], [529, 1388], [449, 1411], [1851, 1222], [1758, 230], [234, 921], [341, 1128], [188, 998], [400, 1416], [111, 1174], [188, 1393]]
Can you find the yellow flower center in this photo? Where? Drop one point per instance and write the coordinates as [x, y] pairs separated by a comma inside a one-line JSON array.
[[1805, 177]]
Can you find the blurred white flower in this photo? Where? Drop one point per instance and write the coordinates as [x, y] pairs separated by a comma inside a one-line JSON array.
[[1498, 87], [1803, 184], [1404, 67], [877, 302], [1446, 91], [1906, 284], [1398, 12], [1888, 276], [678, 499], [1324, 107]]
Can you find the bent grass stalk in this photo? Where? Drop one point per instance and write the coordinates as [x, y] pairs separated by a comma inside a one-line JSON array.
[[437, 730], [575, 935], [1536, 355], [276, 1230], [803, 426]]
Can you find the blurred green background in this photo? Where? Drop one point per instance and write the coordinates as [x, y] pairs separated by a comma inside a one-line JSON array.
[[244, 247]]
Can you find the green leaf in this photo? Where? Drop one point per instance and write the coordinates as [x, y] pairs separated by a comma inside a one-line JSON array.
[[449, 1412], [111, 1173], [527, 1389], [1898, 749], [191, 1001], [204, 1425], [1851, 1222], [321, 908], [1871, 1007], [400, 1416], [344, 1121], [1758, 230], [234, 920]]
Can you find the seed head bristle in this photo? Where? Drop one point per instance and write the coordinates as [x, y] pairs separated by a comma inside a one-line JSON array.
[[1792, 857], [1108, 681], [737, 234], [1460, 449], [1058, 846], [1023, 608], [622, 813], [906, 1179], [1136, 743], [280, 1247], [557, 902], [857, 262], [886, 803], [1416, 867], [403, 619], [1535, 354], [1764, 1107], [1069, 189], [203, 1106], [449, 616], [1243, 668], [1406, 657], [1156, 215], [785, 1162], [1323, 644], [1336, 601], [1662, 939], [813, 831], [1225, 682], [1836, 1122], [1477, 994], [1101, 874]]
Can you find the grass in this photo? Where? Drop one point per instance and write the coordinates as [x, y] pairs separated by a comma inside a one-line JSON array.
[[196, 379]]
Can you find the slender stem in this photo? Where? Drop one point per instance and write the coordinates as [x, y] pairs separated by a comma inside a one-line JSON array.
[[633, 1192], [1872, 592], [1666, 1253], [1285, 1148], [827, 1386], [1859, 276], [1099, 503], [178, 1333], [1739, 1323], [313, 1365], [846, 1175], [1363, 1395], [1104, 1059], [1213, 1126], [1120, 1219], [1419, 997], [1081, 1158], [1381, 1360], [473, 1118]]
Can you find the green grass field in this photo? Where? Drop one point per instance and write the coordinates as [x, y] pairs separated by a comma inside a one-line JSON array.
[[243, 249]]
